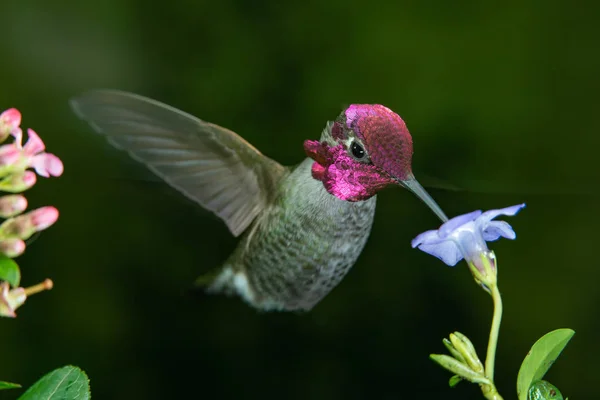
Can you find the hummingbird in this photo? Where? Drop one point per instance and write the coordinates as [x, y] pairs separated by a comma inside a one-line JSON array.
[[302, 227]]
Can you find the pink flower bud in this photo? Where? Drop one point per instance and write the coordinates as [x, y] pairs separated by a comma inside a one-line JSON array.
[[12, 248], [9, 124], [44, 217], [10, 118], [18, 182], [23, 226], [12, 205]]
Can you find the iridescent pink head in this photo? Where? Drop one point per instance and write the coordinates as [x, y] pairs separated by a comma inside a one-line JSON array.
[[367, 148]]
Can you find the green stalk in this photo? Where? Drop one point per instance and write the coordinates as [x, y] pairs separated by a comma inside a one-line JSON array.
[[490, 392]]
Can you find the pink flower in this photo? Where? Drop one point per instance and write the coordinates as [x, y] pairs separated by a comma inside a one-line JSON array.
[[15, 157], [45, 164]]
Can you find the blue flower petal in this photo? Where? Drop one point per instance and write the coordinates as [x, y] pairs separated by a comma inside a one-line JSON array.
[[448, 227], [447, 251], [497, 229], [491, 214], [429, 237]]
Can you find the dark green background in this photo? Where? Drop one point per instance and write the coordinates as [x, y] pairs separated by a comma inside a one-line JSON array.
[[501, 101]]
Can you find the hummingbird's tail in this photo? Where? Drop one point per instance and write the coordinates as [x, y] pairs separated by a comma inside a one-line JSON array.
[[206, 280], [227, 281], [234, 281]]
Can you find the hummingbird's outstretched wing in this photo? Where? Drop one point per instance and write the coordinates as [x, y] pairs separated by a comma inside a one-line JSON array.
[[209, 164]]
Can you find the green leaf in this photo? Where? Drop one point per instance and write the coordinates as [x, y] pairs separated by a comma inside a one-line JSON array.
[[9, 271], [458, 368], [540, 358], [8, 385], [66, 383], [455, 380]]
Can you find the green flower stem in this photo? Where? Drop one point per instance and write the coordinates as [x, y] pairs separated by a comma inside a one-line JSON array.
[[490, 359], [490, 392]]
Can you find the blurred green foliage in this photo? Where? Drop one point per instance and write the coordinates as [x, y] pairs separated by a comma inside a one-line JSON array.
[[501, 100]]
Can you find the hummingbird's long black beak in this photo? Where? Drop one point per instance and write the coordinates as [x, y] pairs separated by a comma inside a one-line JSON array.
[[415, 187]]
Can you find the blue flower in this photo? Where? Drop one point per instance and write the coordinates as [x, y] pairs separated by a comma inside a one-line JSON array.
[[465, 236]]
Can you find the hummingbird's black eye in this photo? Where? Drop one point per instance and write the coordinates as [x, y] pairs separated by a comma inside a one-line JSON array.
[[357, 150]]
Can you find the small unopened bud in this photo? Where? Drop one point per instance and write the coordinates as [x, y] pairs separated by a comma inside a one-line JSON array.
[[464, 346], [25, 225], [44, 217], [484, 269], [12, 247], [455, 353], [9, 123], [19, 182], [11, 299], [12, 205]]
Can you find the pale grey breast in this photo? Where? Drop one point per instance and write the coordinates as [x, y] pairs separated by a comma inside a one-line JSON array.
[[304, 244]]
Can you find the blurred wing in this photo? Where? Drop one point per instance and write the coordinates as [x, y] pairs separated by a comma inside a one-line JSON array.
[[209, 164]]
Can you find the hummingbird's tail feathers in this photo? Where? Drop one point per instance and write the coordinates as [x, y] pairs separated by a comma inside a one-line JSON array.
[[226, 281], [209, 164], [230, 282]]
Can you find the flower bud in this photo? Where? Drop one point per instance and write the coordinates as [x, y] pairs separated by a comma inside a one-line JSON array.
[[19, 182], [12, 247], [43, 217], [25, 225], [12, 205], [455, 353], [484, 269], [464, 346], [9, 123]]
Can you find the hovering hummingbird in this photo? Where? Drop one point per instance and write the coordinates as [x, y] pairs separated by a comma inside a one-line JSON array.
[[302, 227]]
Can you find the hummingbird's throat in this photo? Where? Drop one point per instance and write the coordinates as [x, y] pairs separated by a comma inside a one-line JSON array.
[[343, 176]]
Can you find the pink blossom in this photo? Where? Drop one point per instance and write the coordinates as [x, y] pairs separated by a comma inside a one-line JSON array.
[[15, 156], [45, 164]]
